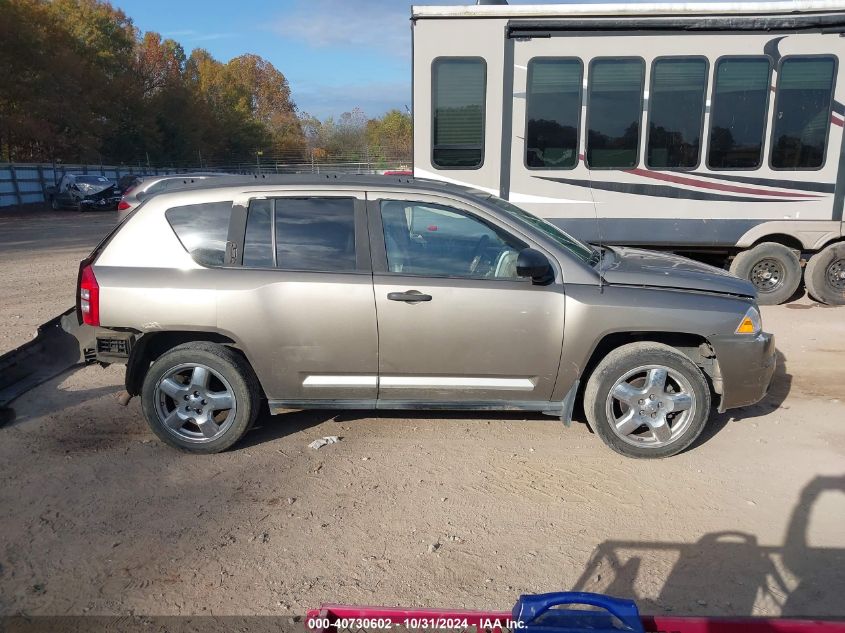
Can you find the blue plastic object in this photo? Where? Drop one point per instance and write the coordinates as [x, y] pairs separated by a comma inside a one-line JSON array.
[[537, 615]]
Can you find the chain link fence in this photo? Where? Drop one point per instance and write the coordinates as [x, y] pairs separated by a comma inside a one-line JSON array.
[[29, 183]]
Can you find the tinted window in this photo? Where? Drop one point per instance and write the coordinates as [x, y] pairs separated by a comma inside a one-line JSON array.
[[738, 120], [258, 240], [202, 229], [315, 234], [614, 112], [802, 112], [553, 111], [458, 87], [676, 112], [93, 180], [425, 239]]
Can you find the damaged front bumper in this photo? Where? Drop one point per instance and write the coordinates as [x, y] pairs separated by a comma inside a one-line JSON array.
[[59, 345]]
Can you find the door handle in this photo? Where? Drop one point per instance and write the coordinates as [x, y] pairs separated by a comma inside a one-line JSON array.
[[410, 296]]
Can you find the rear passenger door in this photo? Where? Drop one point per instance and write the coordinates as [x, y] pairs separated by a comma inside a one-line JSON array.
[[300, 296]]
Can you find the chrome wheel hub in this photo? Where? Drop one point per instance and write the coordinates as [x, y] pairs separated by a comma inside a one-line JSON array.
[[195, 403], [651, 406], [767, 275]]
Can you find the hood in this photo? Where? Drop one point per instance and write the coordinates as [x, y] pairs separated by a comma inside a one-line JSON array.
[[638, 267], [91, 189]]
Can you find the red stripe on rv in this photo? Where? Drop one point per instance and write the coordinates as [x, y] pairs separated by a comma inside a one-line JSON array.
[[684, 180], [836, 121]]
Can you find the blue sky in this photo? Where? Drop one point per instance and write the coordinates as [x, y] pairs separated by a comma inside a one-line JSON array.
[[336, 54]]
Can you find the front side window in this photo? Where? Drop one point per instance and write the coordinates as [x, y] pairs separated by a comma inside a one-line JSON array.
[[802, 112], [315, 234], [553, 113], [202, 229], [458, 93], [614, 111], [738, 119], [439, 241], [676, 112]]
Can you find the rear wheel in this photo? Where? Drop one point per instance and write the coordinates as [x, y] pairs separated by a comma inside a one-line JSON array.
[[200, 397], [773, 268], [825, 275], [647, 400]]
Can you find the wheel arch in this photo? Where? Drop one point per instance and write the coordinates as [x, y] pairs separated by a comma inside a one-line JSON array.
[[695, 346], [151, 346]]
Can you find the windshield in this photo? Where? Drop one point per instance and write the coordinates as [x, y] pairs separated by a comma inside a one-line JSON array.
[[92, 180], [583, 251]]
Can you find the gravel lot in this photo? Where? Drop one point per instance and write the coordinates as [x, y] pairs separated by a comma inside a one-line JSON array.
[[98, 517]]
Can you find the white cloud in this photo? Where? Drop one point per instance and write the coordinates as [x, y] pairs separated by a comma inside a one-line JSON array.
[[374, 24], [373, 98]]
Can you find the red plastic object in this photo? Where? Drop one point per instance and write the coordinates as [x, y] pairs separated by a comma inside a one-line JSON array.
[[398, 172], [333, 614], [89, 296]]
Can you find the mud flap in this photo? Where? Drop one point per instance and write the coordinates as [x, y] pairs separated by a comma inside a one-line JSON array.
[[59, 345]]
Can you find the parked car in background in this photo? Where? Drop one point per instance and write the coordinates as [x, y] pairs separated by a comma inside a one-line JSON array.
[[83, 192], [382, 292], [149, 185], [125, 183]]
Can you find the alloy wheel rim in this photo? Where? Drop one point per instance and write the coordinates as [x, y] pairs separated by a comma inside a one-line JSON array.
[[651, 406], [836, 275], [195, 403], [768, 275]]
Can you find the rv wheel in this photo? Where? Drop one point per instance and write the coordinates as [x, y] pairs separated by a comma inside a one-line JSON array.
[[774, 270], [825, 275]]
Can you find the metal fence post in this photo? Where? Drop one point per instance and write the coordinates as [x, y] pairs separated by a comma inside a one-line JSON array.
[[41, 181], [14, 175]]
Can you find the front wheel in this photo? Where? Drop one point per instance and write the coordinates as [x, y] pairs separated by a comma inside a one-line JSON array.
[[200, 397], [647, 400], [825, 275]]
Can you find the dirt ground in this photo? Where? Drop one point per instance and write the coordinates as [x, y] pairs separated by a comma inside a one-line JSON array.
[[98, 517]]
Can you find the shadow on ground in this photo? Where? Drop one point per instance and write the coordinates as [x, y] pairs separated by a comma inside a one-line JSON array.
[[747, 569]]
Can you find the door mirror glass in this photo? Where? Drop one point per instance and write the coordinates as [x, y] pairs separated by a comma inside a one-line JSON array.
[[532, 263]]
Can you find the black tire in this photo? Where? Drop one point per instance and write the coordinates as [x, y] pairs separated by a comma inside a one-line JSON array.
[[824, 275], [686, 425], [776, 260], [229, 365], [54, 204]]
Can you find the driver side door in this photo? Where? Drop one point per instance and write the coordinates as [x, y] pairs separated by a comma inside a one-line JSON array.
[[456, 324]]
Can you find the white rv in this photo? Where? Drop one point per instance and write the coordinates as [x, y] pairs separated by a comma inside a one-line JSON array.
[[711, 129]]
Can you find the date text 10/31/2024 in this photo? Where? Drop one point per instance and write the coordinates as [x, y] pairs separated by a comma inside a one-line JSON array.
[[354, 624]]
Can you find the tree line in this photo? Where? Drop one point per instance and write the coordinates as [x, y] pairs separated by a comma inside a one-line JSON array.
[[81, 84]]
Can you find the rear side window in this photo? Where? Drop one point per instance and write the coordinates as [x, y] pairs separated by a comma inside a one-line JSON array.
[[313, 234], [614, 112], [676, 112], [458, 92], [553, 112], [738, 121], [202, 229], [802, 112]]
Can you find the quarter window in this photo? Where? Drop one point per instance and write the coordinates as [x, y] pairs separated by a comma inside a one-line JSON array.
[[676, 112], [202, 229], [553, 113], [802, 112], [738, 120], [614, 112], [458, 92], [438, 241]]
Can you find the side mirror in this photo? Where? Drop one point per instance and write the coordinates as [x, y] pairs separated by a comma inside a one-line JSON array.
[[532, 263]]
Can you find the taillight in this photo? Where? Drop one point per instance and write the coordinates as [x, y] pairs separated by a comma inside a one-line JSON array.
[[123, 205], [89, 296]]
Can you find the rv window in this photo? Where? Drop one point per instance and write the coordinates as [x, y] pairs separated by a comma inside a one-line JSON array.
[[614, 110], [738, 121], [553, 112], [802, 112], [676, 112], [458, 92]]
